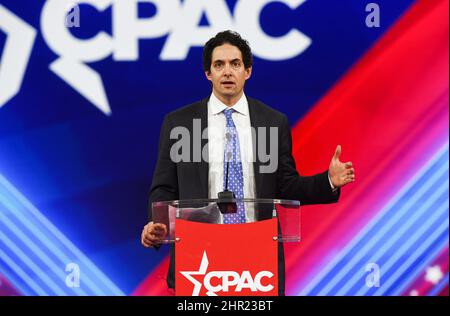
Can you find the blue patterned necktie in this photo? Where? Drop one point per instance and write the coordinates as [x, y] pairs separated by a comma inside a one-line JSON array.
[[235, 174]]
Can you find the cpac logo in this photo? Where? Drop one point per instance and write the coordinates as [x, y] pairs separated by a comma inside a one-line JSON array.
[[179, 20], [225, 280]]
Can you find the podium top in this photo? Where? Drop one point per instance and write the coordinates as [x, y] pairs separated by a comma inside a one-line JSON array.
[[293, 203], [214, 211]]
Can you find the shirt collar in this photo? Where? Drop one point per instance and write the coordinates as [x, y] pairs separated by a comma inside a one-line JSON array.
[[217, 106]]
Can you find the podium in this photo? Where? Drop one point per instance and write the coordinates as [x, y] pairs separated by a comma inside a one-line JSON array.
[[217, 259]]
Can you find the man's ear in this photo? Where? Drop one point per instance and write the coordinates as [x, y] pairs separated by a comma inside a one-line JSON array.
[[248, 73], [208, 75]]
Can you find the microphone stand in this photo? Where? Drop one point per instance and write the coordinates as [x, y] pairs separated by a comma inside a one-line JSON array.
[[226, 199]]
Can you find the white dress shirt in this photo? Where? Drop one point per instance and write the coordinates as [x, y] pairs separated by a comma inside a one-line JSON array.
[[216, 143]]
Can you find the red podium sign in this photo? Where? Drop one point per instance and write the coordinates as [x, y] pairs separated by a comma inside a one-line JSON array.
[[226, 260]]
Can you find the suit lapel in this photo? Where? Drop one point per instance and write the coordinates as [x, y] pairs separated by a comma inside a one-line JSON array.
[[256, 121], [203, 166]]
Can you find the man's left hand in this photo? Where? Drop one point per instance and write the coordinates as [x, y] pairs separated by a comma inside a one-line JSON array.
[[340, 173]]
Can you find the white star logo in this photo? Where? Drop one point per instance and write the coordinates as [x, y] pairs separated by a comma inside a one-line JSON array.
[[434, 274], [201, 271]]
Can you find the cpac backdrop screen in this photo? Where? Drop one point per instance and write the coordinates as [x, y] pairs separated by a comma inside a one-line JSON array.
[[81, 107]]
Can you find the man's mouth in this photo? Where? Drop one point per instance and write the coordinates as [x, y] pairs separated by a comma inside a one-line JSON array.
[[227, 83]]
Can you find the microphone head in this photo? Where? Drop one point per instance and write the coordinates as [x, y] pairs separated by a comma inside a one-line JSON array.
[[226, 202], [229, 154]]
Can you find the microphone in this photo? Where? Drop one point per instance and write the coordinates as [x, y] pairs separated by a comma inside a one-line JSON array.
[[229, 154], [226, 202], [226, 172]]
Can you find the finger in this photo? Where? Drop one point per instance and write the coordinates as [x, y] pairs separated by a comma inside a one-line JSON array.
[[160, 228], [350, 179], [146, 242], [337, 152], [151, 241], [147, 227], [154, 238], [142, 239], [349, 175], [348, 164], [350, 171], [158, 233], [347, 178], [143, 234]]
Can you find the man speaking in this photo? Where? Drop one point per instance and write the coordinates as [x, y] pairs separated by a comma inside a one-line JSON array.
[[229, 116]]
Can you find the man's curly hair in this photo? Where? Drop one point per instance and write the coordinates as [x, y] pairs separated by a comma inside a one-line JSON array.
[[227, 37]]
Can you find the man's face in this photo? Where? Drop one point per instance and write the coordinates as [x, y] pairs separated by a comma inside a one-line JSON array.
[[227, 72]]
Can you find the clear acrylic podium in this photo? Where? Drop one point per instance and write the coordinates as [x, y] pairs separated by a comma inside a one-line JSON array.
[[217, 259]]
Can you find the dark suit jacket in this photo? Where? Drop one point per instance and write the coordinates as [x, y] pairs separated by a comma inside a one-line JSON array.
[[189, 180]]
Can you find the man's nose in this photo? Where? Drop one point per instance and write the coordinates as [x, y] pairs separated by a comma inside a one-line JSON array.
[[227, 70]]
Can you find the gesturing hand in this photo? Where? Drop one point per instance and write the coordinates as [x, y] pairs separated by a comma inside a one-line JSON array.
[[340, 173]]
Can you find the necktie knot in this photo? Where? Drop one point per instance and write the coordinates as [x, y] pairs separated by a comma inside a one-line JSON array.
[[228, 113]]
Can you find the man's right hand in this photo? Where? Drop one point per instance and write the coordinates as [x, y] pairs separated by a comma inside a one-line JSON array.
[[153, 234]]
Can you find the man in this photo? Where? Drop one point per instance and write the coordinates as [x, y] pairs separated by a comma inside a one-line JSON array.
[[227, 62]]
